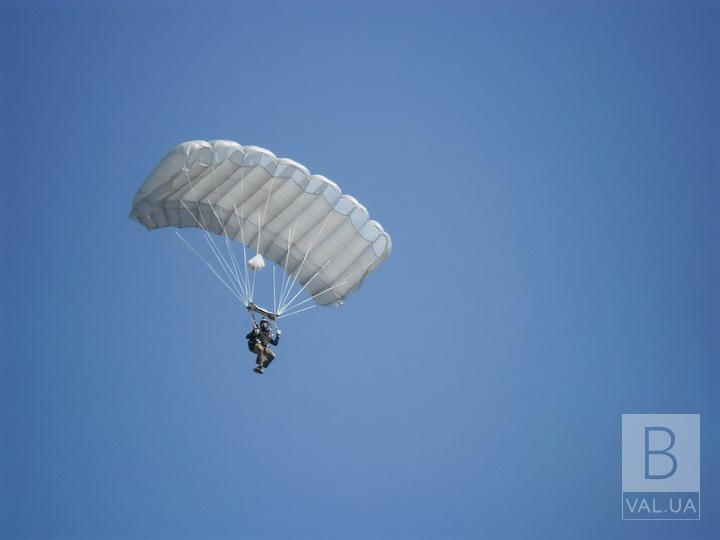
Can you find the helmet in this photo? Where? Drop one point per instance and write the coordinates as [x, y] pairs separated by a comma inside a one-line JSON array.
[[264, 324]]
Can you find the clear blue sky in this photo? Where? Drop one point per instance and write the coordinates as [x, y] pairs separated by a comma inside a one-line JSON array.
[[549, 174]]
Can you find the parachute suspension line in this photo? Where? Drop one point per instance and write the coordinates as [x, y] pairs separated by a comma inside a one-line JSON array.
[[223, 263], [296, 312], [230, 251], [234, 268], [308, 282], [307, 251], [252, 289], [242, 238], [261, 222], [314, 296], [213, 249], [286, 277], [240, 219], [274, 304], [212, 240], [209, 266], [208, 238], [247, 275]]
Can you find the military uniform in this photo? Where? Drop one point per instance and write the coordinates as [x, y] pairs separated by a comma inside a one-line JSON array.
[[259, 342]]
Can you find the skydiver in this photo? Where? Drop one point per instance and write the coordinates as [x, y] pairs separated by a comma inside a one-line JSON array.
[[259, 341]]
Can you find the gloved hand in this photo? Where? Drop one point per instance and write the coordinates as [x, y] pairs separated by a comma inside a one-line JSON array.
[[278, 332]]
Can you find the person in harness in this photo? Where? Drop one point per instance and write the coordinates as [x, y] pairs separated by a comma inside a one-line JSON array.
[[259, 341]]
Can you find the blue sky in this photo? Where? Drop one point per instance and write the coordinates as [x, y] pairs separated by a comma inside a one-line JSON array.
[[549, 176]]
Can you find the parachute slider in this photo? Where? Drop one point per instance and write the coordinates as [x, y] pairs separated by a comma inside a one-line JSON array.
[[264, 312]]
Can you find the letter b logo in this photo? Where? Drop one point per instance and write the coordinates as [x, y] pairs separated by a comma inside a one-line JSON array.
[[650, 451], [661, 466]]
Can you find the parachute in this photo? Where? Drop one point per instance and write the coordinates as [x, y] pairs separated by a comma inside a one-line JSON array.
[[323, 241]]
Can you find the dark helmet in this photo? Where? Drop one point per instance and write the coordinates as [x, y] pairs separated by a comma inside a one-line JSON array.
[[264, 324]]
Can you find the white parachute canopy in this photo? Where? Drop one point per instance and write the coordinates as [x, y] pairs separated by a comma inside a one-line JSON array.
[[323, 241]]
